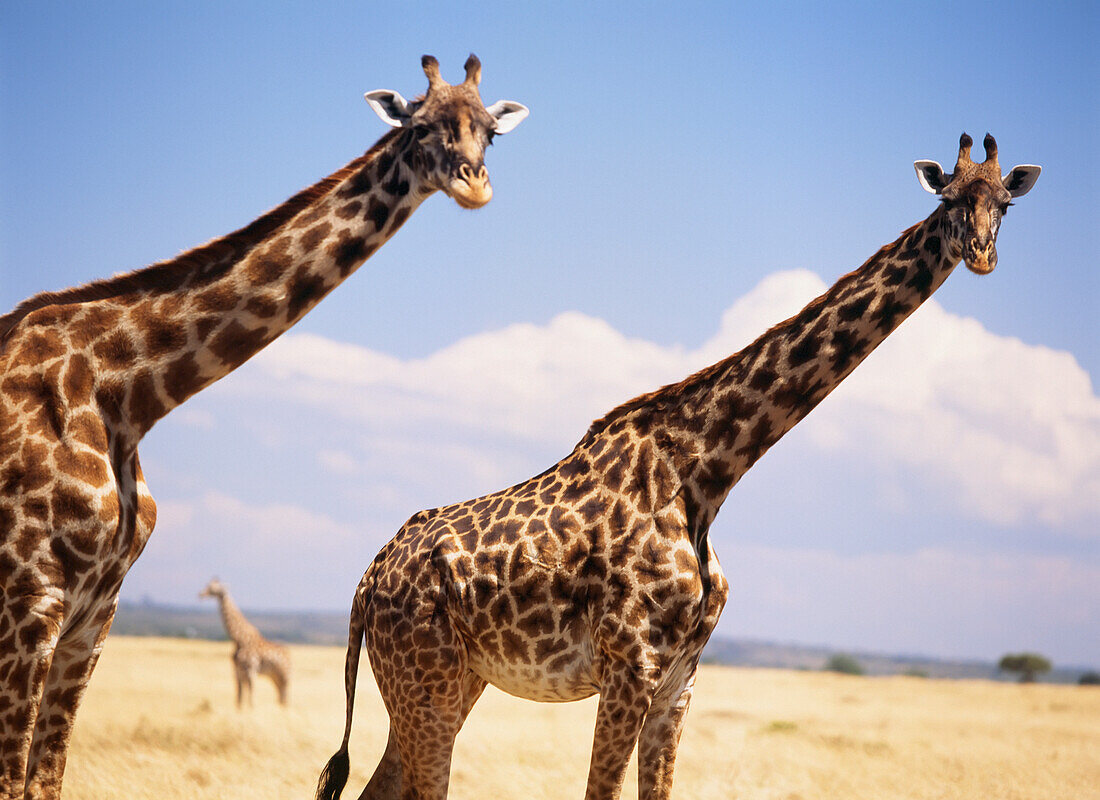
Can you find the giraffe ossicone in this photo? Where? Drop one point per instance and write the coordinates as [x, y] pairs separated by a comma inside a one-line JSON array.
[[252, 653], [598, 575], [86, 372]]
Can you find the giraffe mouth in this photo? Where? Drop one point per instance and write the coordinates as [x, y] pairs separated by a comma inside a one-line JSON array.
[[470, 189], [980, 261]]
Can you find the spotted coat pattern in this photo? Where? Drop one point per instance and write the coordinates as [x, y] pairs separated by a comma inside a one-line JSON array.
[[252, 653], [598, 575], [86, 372]]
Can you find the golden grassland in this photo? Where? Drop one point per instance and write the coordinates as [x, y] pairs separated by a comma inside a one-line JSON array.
[[159, 721]]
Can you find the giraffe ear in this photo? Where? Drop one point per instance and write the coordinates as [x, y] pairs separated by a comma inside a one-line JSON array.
[[507, 114], [391, 107], [931, 177], [1020, 180]]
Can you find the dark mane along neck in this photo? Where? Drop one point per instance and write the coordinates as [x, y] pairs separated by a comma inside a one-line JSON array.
[[208, 258], [880, 294]]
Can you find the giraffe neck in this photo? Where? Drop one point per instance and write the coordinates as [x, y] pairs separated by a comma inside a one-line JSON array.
[[152, 338], [713, 426], [236, 625]]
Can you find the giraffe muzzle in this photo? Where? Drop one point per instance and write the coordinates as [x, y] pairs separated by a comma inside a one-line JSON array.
[[980, 259], [470, 189]]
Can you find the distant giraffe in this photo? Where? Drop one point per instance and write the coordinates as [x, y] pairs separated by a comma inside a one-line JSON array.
[[253, 653], [598, 576], [86, 372]]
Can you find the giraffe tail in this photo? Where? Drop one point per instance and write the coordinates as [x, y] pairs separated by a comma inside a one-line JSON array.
[[335, 774]]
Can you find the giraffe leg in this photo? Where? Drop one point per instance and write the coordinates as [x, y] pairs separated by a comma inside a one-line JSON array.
[[281, 686], [244, 684], [387, 783], [658, 742], [29, 632], [624, 701], [428, 691], [74, 660]]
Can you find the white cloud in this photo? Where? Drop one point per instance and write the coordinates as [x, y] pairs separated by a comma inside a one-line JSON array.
[[1008, 432], [271, 551], [337, 461]]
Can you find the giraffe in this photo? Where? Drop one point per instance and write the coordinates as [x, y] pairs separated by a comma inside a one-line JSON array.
[[252, 652], [86, 372], [598, 576]]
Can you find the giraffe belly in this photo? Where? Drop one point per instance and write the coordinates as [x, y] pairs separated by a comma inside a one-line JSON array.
[[561, 678]]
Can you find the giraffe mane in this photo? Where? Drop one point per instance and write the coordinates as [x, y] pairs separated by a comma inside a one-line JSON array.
[[171, 273], [670, 394], [658, 399]]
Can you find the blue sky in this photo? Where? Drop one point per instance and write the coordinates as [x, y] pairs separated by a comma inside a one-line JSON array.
[[689, 174]]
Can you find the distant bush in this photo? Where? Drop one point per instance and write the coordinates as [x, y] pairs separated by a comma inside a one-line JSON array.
[[1089, 679], [915, 672], [1028, 665], [781, 726], [844, 664]]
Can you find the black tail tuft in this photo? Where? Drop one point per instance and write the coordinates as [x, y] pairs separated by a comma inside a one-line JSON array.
[[333, 777]]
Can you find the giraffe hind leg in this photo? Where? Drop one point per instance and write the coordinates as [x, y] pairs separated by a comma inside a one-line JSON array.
[[385, 783]]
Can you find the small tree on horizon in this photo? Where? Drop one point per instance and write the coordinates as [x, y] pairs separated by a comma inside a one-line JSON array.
[[844, 664], [1089, 678], [1028, 665]]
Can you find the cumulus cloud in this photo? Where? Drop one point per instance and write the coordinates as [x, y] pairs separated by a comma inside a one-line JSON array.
[[1009, 432], [272, 551]]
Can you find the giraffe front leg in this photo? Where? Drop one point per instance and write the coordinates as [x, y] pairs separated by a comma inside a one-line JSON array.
[[659, 741], [29, 631], [624, 701], [74, 661], [244, 686]]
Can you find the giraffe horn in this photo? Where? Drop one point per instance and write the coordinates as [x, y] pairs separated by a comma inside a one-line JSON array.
[[990, 148], [965, 143], [431, 69], [473, 70]]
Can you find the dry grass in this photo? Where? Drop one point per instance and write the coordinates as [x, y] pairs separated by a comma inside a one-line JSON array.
[[159, 722]]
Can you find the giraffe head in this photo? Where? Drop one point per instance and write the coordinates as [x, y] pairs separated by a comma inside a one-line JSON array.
[[213, 589], [450, 129], [975, 198]]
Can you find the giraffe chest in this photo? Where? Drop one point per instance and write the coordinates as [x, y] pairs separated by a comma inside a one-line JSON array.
[[73, 521]]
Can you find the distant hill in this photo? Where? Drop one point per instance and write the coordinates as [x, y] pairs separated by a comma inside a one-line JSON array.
[[331, 628]]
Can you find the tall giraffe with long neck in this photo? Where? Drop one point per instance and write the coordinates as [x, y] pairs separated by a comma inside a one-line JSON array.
[[598, 576], [252, 653], [86, 372]]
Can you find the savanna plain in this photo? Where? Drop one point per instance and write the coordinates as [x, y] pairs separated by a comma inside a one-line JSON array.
[[159, 721]]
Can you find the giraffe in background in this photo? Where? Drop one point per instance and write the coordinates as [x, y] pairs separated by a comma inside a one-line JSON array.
[[598, 575], [252, 653], [86, 372]]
